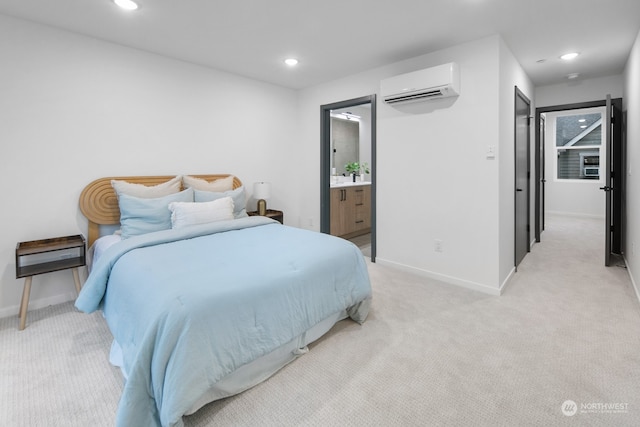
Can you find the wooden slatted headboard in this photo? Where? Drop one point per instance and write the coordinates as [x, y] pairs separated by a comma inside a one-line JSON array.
[[99, 204]]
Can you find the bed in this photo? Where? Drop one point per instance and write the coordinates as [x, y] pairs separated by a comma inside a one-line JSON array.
[[208, 310]]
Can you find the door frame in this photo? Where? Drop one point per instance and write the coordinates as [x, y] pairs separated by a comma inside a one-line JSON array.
[[325, 163], [616, 162]]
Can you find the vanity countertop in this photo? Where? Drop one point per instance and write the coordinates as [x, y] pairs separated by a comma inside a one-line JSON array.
[[349, 184]]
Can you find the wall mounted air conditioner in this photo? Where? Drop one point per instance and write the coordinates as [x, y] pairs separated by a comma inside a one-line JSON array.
[[438, 82]]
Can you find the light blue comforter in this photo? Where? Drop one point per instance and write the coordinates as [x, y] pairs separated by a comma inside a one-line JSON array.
[[190, 306]]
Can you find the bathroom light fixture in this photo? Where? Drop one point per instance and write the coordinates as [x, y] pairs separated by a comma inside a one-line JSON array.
[[345, 116], [569, 56], [351, 116], [126, 4], [291, 62]]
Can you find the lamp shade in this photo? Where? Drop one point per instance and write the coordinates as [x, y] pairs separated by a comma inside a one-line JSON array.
[[261, 190]]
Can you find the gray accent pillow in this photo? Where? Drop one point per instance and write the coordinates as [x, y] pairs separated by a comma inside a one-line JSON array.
[[238, 195], [140, 216]]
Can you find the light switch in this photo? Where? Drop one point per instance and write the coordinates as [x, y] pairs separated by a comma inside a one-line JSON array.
[[491, 152]]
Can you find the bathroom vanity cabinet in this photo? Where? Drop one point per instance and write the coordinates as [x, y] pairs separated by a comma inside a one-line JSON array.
[[350, 210]]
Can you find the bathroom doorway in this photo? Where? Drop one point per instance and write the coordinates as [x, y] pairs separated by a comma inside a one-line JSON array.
[[348, 171]]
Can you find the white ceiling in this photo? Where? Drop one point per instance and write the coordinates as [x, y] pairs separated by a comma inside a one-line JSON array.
[[333, 39]]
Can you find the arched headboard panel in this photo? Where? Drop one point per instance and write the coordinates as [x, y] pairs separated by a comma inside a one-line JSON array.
[[99, 204]]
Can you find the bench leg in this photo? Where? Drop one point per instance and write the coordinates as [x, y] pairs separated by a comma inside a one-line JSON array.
[[76, 279], [25, 302]]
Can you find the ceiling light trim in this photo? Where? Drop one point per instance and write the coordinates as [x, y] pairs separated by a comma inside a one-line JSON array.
[[569, 56], [127, 4]]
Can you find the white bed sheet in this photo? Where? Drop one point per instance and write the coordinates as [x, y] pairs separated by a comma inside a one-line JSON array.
[[99, 246]]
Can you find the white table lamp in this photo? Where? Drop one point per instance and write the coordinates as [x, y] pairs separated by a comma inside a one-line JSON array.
[[262, 191]]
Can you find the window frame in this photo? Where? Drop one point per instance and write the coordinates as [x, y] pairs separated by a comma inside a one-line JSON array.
[[599, 148]]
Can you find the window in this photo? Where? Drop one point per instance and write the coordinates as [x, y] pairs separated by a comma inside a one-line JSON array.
[[578, 146]]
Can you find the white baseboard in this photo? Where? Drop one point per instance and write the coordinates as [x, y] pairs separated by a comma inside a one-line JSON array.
[[35, 304], [633, 282], [441, 277], [506, 281]]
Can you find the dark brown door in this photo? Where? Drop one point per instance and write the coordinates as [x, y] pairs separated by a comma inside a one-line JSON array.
[[614, 179], [540, 177], [608, 184], [522, 126]]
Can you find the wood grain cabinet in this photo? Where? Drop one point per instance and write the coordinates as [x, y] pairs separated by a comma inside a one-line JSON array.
[[350, 210]]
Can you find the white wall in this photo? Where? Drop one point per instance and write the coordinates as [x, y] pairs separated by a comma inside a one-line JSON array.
[[580, 90], [75, 109], [571, 197], [631, 110], [434, 181]]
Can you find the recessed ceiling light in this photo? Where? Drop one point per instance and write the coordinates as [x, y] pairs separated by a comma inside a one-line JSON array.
[[583, 126], [126, 4], [291, 62], [573, 76], [582, 120], [569, 56]]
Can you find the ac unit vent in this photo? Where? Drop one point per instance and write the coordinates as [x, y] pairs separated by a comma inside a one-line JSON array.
[[414, 97], [432, 83]]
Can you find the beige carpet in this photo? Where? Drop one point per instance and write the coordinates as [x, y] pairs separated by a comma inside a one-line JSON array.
[[566, 328], [364, 243]]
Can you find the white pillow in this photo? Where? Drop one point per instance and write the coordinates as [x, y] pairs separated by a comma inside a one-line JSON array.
[[238, 196], [185, 214], [147, 192], [220, 185]]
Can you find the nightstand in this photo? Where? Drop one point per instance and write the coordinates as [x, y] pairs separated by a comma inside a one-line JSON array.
[[44, 256], [271, 213]]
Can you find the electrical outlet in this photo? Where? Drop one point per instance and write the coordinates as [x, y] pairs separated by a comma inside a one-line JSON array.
[[438, 245]]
